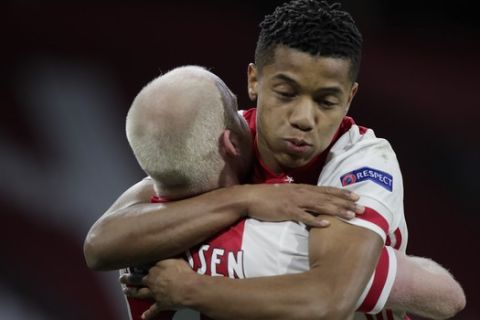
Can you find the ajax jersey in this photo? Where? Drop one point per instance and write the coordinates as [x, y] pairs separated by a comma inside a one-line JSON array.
[[356, 160]]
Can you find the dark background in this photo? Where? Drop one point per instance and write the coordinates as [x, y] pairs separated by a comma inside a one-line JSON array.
[[69, 72]]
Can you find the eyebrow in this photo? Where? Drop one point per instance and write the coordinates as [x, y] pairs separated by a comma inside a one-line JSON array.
[[336, 91], [286, 78], [327, 90]]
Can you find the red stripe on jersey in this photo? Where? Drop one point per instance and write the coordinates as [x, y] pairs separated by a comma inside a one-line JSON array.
[[389, 315], [381, 272], [398, 238], [376, 218]]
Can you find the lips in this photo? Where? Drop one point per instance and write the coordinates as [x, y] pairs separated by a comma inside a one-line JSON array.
[[298, 146]]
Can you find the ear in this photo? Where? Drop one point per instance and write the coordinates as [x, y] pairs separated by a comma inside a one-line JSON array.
[[352, 94], [230, 144], [252, 81]]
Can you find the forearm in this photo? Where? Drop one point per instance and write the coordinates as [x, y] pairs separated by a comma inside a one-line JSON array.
[[425, 288], [281, 297], [340, 268], [133, 232], [148, 232]]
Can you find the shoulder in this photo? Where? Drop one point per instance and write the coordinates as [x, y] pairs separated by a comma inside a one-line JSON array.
[[367, 165], [360, 146]]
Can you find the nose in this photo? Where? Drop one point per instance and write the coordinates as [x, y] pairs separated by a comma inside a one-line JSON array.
[[302, 116]]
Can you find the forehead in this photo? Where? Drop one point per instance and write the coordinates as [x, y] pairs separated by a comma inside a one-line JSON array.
[[310, 70]]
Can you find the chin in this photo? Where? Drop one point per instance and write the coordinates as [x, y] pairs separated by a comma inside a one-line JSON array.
[[295, 163]]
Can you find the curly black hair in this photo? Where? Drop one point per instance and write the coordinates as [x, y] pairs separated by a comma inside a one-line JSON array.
[[311, 26]]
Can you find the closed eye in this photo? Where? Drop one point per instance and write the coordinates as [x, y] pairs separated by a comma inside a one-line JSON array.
[[286, 94], [326, 103]]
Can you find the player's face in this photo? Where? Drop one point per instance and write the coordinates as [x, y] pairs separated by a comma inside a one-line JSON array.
[[301, 101]]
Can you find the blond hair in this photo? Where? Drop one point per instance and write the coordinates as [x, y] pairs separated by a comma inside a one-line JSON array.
[[174, 126]]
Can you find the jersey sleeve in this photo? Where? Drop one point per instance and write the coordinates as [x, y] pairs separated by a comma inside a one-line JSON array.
[[375, 295], [368, 166]]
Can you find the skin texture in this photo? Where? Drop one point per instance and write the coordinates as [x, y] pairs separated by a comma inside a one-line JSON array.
[[302, 100]]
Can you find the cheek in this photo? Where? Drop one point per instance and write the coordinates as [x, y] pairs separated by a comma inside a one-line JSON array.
[[267, 115], [332, 128], [326, 133]]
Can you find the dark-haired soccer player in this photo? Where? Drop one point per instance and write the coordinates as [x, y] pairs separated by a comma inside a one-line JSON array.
[[307, 60]]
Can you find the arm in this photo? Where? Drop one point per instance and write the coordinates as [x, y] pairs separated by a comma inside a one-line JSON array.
[[342, 258], [134, 231], [425, 288]]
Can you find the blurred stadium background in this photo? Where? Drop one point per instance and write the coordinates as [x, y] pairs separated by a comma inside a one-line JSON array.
[[69, 71]]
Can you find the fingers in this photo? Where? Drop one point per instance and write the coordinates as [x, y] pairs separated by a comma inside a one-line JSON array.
[[132, 279], [335, 201], [152, 312], [343, 193], [340, 208], [138, 292], [309, 219]]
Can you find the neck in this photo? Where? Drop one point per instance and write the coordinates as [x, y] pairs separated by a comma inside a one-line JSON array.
[[266, 156]]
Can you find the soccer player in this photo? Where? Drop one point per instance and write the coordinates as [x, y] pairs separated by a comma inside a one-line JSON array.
[[163, 125], [305, 82]]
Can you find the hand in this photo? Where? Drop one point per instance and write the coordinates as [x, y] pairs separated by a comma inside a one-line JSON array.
[[162, 283], [301, 202]]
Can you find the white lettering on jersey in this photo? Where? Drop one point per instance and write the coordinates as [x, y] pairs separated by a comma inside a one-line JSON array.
[[215, 261], [235, 265], [203, 263]]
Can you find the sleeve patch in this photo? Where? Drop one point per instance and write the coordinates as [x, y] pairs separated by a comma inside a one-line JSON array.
[[381, 178]]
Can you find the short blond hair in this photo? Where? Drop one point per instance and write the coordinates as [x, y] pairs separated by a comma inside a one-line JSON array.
[[174, 127]]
